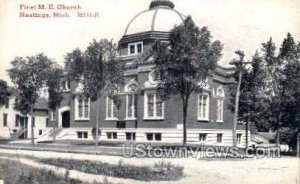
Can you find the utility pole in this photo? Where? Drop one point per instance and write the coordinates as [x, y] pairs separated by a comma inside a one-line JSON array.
[[239, 66]]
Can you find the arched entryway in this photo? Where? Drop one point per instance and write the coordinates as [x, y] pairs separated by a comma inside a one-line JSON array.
[[64, 117]]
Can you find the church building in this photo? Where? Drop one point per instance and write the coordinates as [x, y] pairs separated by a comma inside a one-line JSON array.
[[144, 116]]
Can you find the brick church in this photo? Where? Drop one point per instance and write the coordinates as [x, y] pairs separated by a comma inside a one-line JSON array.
[[143, 115]]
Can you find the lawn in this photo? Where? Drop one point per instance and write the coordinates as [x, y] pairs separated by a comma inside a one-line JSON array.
[[13, 172]]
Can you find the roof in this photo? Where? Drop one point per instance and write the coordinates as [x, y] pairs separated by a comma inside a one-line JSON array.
[[267, 135], [161, 17]]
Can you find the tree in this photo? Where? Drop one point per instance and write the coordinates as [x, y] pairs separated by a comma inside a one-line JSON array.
[[29, 75], [4, 92], [273, 87], [53, 84], [290, 56], [99, 71], [282, 87], [189, 57]]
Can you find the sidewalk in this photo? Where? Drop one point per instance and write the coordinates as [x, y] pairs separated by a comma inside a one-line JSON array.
[[65, 148]]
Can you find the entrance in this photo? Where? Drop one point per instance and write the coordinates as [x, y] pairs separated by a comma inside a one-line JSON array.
[[66, 119], [24, 128]]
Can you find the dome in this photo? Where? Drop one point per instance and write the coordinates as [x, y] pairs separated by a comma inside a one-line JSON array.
[[160, 16]]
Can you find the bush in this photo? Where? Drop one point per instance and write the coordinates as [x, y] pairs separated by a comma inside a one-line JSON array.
[[160, 171]]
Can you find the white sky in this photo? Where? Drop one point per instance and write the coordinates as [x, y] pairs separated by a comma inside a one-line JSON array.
[[239, 24]]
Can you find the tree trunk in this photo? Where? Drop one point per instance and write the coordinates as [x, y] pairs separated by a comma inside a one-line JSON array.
[[32, 128], [54, 134], [236, 110], [298, 144], [277, 131], [97, 122], [247, 135], [185, 105], [277, 137]]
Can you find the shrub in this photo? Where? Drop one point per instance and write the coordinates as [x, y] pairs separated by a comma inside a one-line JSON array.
[[160, 171]]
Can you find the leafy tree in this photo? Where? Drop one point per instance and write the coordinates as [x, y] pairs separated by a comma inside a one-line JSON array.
[[4, 92], [74, 64], [189, 57], [281, 88], [53, 84], [29, 75], [99, 71], [290, 56], [273, 88]]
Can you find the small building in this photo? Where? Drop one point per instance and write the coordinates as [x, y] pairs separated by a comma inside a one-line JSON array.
[[14, 125]]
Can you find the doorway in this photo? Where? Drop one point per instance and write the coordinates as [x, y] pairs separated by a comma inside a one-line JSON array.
[[66, 119]]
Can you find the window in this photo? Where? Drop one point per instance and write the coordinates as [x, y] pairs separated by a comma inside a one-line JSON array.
[[139, 48], [52, 116], [220, 110], [111, 135], [131, 106], [130, 136], [202, 137], [47, 122], [135, 48], [17, 120], [7, 104], [82, 135], [132, 49], [65, 85], [40, 132], [85, 135], [203, 107], [153, 136], [158, 137], [5, 119], [220, 103], [154, 106], [82, 108], [111, 110], [238, 138], [219, 138]]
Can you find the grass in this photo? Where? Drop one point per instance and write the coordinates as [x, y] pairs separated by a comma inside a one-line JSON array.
[[13, 172], [161, 171], [4, 141]]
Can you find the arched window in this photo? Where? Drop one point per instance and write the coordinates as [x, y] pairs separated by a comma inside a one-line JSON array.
[[220, 95], [203, 107], [82, 108], [111, 110], [131, 100]]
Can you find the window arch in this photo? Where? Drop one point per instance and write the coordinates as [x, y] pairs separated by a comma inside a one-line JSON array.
[[220, 92], [131, 87]]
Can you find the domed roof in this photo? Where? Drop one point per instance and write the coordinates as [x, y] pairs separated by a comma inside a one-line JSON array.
[[160, 16]]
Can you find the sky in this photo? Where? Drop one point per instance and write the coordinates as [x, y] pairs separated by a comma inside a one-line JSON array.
[[238, 24]]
